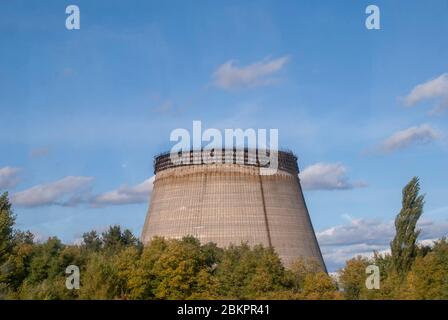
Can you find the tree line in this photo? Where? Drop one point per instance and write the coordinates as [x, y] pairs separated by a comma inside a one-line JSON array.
[[115, 265]]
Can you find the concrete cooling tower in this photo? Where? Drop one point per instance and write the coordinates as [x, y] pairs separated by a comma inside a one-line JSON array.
[[232, 202]]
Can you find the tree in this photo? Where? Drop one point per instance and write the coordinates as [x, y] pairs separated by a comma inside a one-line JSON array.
[[115, 266], [353, 276], [403, 246], [269, 273], [91, 241], [246, 272], [112, 237], [212, 254], [174, 269], [428, 276], [142, 280], [125, 265], [320, 286], [16, 268], [298, 271], [7, 220], [45, 263], [115, 239], [384, 263], [128, 239], [98, 278], [179, 269], [107, 276]]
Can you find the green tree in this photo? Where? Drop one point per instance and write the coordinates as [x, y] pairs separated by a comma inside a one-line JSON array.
[[91, 241], [107, 276], [428, 277], [45, 275], [7, 220], [45, 263], [112, 238], [16, 268], [142, 280], [353, 277], [179, 269], [298, 271], [384, 263], [249, 272], [97, 280], [115, 239], [320, 286], [403, 246]]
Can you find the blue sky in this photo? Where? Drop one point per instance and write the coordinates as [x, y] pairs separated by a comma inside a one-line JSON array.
[[83, 112]]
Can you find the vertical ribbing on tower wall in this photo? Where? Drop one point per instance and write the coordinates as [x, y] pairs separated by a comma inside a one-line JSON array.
[[204, 189], [265, 212], [302, 197]]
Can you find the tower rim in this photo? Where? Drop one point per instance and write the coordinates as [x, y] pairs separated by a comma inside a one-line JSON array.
[[286, 159]]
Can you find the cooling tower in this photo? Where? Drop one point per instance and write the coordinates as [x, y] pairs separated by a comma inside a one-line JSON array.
[[232, 202]]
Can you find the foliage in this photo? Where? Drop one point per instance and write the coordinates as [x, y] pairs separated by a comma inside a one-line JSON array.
[[115, 265], [246, 272], [319, 286], [7, 220], [411, 271], [403, 246], [298, 271], [428, 277], [353, 277]]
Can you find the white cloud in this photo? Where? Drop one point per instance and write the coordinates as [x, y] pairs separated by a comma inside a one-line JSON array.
[[326, 176], [68, 191], [358, 231], [417, 135], [363, 236], [433, 89], [231, 76], [375, 232], [72, 191], [335, 257], [431, 229], [125, 195], [9, 177]]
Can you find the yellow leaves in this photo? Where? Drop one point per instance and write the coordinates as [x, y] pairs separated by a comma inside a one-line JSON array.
[[427, 279], [352, 278], [319, 286], [185, 269]]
